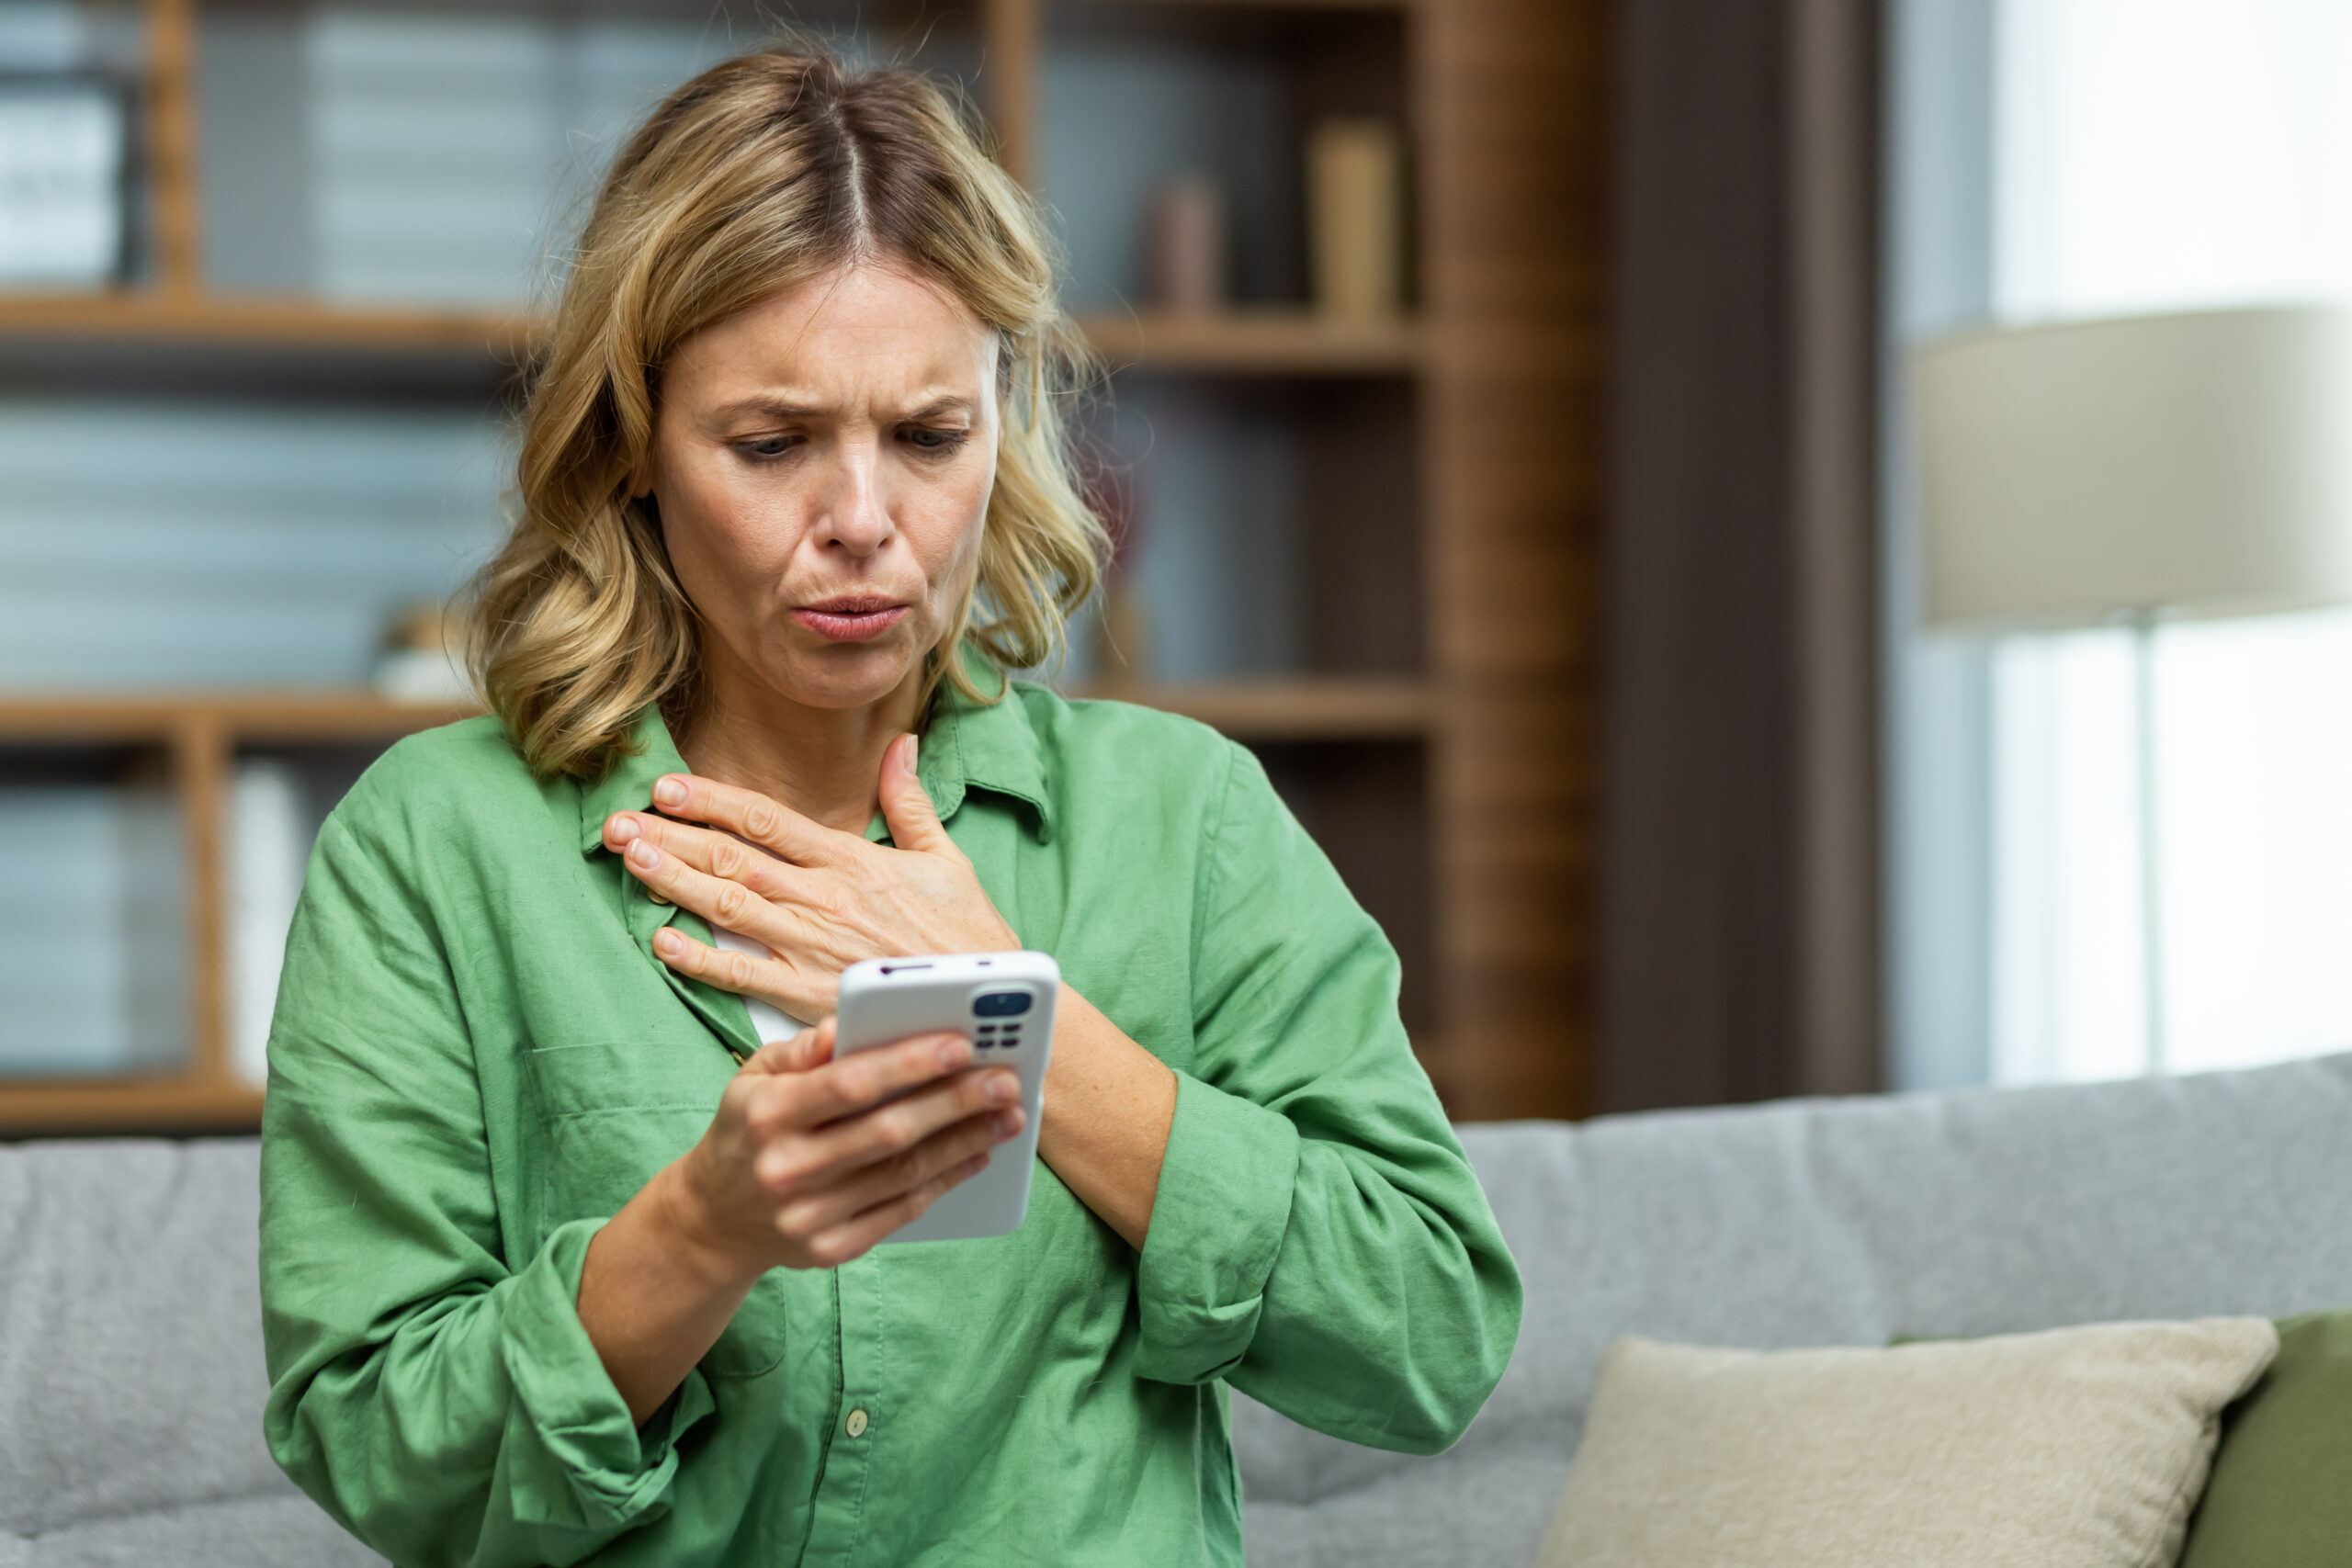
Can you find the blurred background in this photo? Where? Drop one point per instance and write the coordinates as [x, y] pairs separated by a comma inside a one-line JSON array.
[[271, 277], [1975, 671], [1782, 546]]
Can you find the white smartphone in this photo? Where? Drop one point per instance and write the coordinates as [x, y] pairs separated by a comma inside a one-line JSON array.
[[1003, 1002]]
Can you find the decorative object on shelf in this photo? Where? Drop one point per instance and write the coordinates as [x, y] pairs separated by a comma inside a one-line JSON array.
[[1355, 197], [1186, 245], [89, 871], [425, 658], [63, 182], [2120, 472], [268, 841]]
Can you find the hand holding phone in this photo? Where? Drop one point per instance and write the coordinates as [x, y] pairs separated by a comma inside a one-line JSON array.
[[1003, 1002]]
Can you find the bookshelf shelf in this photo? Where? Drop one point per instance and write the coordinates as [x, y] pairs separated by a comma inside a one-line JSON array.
[[1294, 708], [1305, 708], [232, 320], [34, 1108], [1295, 342], [1256, 342], [1374, 7], [251, 718]]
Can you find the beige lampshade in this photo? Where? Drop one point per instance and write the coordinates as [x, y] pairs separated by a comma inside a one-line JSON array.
[[2198, 464]]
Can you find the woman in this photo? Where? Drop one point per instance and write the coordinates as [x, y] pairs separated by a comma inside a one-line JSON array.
[[559, 1258]]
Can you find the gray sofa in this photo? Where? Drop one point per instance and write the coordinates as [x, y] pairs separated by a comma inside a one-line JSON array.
[[130, 1373]]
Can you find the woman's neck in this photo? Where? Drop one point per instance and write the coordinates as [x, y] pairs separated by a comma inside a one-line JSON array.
[[824, 763]]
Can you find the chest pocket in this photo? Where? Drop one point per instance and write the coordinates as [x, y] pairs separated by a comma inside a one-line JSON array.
[[611, 1116]]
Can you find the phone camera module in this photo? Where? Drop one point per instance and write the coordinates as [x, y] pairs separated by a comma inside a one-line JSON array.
[[1003, 1004]]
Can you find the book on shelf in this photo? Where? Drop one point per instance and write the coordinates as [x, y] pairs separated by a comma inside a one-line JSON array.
[[63, 145], [451, 154], [268, 843], [90, 935]]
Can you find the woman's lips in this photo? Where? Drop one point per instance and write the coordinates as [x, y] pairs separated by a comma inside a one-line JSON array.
[[850, 620]]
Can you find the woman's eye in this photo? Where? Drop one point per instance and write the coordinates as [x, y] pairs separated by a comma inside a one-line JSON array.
[[765, 445], [927, 440]]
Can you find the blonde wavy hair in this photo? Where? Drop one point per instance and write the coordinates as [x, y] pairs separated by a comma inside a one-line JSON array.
[[765, 170]]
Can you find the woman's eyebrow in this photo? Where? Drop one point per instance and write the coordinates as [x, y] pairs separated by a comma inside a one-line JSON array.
[[768, 405]]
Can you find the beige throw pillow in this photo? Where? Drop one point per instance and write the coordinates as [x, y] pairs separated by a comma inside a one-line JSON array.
[[2078, 1447]]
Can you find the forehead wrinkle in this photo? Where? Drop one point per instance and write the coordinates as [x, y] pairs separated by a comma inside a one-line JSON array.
[[794, 404], [791, 379]]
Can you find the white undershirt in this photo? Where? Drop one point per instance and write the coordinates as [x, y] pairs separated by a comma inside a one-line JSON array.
[[768, 1023]]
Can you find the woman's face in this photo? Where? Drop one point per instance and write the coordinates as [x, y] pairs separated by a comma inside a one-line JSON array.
[[822, 462]]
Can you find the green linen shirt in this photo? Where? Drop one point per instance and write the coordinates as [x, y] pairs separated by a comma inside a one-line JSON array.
[[476, 1060]]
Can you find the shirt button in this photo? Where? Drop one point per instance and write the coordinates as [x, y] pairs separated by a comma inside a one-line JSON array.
[[855, 1425]]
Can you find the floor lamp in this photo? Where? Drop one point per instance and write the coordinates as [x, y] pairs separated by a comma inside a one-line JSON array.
[[2134, 470]]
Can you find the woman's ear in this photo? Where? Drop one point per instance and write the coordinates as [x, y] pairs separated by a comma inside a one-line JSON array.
[[646, 471]]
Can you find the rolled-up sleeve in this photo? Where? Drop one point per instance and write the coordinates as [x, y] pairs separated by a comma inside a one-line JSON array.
[[1232, 1169], [438, 1398], [1318, 1239]]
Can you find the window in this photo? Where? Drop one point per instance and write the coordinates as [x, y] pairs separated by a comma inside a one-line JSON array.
[[2156, 155]]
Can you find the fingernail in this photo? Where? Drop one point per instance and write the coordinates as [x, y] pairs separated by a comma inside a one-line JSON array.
[[667, 942], [912, 744], [669, 791], [623, 827], [955, 1052], [643, 855], [1007, 1124], [1004, 1087]]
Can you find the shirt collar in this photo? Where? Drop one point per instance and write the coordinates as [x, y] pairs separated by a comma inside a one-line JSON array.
[[969, 745], [627, 784], [990, 745]]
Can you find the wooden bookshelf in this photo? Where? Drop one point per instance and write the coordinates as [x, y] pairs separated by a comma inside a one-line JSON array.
[[1467, 431]]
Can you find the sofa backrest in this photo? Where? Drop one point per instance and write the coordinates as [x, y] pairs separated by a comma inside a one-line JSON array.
[[130, 1366], [131, 1379], [1836, 1222]]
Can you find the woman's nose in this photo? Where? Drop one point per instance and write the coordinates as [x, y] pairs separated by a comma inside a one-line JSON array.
[[857, 517]]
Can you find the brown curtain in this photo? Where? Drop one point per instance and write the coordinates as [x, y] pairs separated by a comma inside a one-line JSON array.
[[1739, 813]]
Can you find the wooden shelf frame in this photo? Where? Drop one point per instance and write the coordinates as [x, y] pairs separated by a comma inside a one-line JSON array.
[[1503, 360]]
